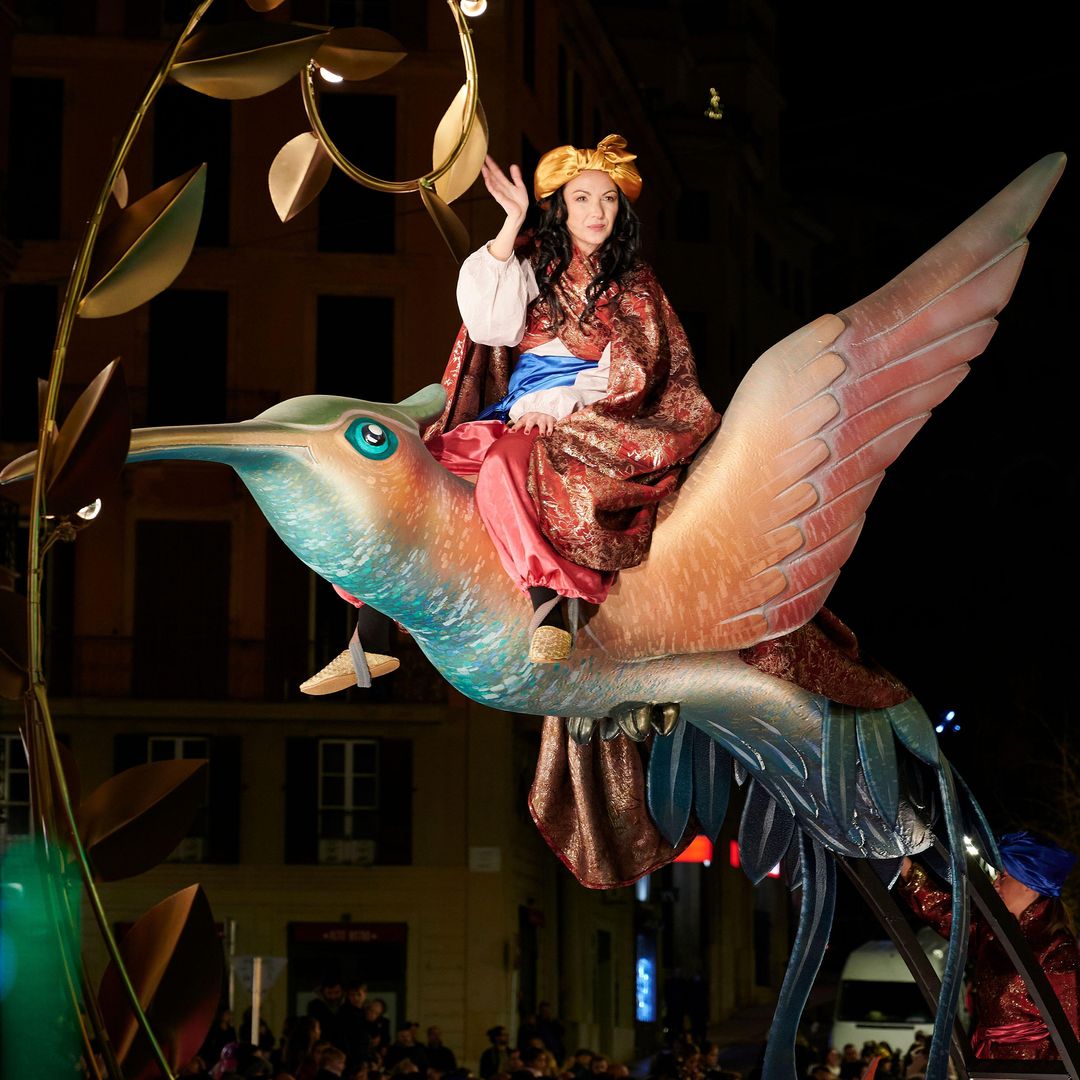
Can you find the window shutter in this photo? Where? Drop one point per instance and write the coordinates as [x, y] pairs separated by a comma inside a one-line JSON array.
[[225, 787], [394, 844], [128, 751], [301, 797]]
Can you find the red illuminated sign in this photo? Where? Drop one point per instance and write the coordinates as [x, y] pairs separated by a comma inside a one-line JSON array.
[[700, 850]]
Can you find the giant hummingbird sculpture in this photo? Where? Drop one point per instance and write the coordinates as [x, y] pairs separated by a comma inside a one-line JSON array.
[[747, 550]]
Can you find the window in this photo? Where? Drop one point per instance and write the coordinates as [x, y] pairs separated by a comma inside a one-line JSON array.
[[194, 846], [190, 128], [182, 573], [29, 313], [214, 834], [187, 367], [348, 787], [341, 365], [405, 19], [14, 791], [353, 217], [348, 801], [528, 43], [35, 156]]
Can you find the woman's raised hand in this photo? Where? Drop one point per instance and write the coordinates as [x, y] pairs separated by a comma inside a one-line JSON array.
[[508, 191]]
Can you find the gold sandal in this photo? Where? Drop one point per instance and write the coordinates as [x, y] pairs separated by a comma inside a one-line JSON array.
[[340, 673]]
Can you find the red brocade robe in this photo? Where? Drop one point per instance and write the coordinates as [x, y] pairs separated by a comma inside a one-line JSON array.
[[597, 480], [1009, 1025]]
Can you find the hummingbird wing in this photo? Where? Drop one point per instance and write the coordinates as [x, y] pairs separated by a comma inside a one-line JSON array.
[[771, 509]]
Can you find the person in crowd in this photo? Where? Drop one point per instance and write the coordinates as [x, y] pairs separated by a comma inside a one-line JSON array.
[[580, 1067], [550, 1029], [851, 1066], [298, 1053], [405, 1046], [534, 1059], [221, 1032], [1010, 1026], [495, 1059], [331, 1064], [353, 1026], [375, 1011], [439, 1055], [325, 1006]]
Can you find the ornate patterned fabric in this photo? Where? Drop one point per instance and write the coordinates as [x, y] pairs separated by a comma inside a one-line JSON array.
[[1009, 1025], [588, 801], [598, 478]]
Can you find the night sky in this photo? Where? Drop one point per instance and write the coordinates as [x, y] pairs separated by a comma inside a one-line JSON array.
[[894, 133], [962, 582]]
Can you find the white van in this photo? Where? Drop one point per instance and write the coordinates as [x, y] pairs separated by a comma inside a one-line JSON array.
[[877, 998]]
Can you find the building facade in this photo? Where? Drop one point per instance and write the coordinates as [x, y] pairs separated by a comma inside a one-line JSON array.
[[384, 833]]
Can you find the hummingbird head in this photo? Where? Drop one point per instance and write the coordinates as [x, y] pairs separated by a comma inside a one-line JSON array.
[[347, 484]]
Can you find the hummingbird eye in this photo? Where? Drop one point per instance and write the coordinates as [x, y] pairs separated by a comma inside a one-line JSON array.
[[371, 438]]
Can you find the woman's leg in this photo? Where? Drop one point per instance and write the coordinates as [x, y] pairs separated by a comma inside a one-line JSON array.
[[508, 513]]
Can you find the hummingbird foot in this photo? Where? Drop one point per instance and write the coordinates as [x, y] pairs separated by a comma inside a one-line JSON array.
[[633, 719]]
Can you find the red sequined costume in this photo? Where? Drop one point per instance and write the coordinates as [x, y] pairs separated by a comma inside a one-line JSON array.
[[1009, 1025], [597, 480]]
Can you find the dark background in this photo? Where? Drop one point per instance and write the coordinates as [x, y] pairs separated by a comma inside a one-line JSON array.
[[896, 128]]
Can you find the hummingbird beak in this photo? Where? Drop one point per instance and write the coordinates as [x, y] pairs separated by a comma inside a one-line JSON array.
[[245, 443], [229, 444]]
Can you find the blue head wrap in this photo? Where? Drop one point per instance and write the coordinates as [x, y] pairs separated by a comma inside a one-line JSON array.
[[1035, 861]]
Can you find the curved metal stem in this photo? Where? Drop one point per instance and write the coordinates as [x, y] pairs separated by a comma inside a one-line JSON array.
[[400, 187], [35, 556]]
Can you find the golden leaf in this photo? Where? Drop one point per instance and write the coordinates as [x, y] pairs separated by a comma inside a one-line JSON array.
[[242, 60], [135, 819], [142, 252], [13, 675], [461, 175], [92, 445], [359, 52], [448, 223], [264, 5], [173, 958], [298, 173], [120, 189]]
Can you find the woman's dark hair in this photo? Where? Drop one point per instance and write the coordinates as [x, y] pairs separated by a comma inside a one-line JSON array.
[[618, 254]]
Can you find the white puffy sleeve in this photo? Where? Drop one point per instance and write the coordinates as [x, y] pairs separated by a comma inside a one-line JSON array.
[[493, 297]]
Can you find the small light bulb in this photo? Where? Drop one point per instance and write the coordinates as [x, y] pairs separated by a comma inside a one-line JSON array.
[[88, 513], [472, 8], [331, 76]]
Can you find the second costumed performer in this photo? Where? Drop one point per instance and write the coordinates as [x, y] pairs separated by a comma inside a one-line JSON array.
[[572, 394]]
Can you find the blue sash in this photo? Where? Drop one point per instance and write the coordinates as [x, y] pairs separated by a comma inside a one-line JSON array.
[[535, 372]]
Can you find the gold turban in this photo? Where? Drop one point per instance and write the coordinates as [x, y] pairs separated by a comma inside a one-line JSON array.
[[559, 166]]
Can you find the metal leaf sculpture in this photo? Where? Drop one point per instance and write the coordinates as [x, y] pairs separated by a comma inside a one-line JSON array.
[[92, 444], [463, 173], [144, 250], [264, 5], [670, 788], [450, 226], [13, 676], [132, 821], [242, 60], [174, 961], [298, 173], [359, 52], [120, 189]]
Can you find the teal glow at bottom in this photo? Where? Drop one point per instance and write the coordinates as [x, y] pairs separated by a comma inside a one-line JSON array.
[[38, 1027]]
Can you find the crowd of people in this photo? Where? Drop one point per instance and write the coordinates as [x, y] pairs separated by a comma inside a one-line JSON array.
[[346, 1036], [850, 1063]]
